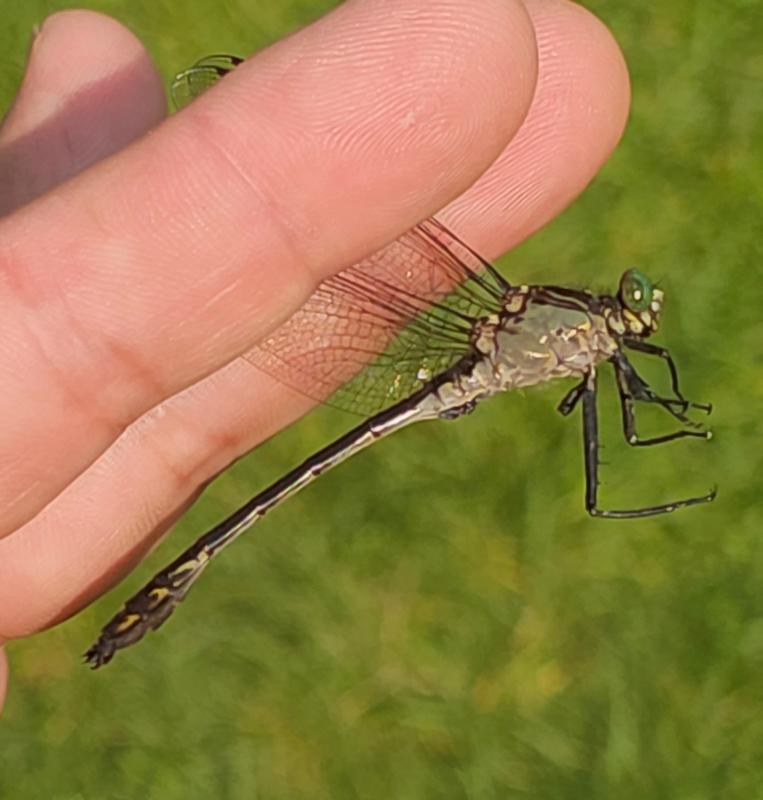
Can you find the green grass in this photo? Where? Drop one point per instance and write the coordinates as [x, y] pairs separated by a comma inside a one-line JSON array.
[[411, 627]]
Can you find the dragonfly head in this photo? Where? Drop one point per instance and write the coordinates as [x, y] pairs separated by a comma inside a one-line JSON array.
[[641, 304]]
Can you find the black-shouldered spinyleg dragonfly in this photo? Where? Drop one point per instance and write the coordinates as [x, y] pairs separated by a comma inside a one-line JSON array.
[[426, 329]]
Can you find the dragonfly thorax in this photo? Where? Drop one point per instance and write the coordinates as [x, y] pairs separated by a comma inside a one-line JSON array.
[[519, 349], [548, 342]]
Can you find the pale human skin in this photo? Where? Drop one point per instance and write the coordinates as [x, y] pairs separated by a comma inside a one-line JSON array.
[[128, 292]]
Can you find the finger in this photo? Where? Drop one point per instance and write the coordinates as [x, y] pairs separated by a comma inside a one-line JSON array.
[[575, 122], [89, 89], [115, 511], [147, 272]]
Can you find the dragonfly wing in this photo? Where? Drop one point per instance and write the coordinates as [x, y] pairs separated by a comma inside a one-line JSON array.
[[382, 328], [195, 80]]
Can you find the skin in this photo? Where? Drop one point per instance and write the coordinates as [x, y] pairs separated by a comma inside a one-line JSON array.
[[137, 267]]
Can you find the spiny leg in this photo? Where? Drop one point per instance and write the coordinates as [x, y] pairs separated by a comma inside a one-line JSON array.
[[663, 353], [591, 459], [638, 389], [631, 387], [571, 399]]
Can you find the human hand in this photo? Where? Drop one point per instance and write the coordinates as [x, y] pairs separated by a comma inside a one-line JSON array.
[[129, 291]]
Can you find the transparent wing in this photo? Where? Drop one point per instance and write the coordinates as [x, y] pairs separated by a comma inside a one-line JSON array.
[[382, 328], [195, 80]]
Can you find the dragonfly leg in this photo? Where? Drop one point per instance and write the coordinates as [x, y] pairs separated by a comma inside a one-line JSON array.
[[632, 387], [458, 411], [571, 399], [591, 460], [663, 353]]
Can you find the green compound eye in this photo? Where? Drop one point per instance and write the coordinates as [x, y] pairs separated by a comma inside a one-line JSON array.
[[636, 291]]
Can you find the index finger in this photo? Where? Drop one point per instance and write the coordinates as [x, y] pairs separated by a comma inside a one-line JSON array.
[[149, 271]]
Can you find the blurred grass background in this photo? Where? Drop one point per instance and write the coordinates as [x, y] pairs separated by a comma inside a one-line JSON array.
[[442, 620]]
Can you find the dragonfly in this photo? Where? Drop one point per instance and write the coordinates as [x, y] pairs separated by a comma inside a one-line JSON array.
[[427, 329]]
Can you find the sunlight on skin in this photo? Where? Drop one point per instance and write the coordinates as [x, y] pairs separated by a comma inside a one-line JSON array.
[[296, 150], [71, 551]]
